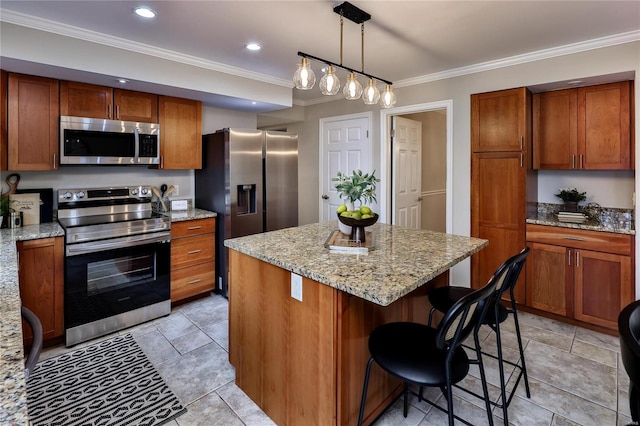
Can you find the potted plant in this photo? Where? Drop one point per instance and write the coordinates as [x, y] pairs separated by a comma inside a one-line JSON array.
[[4, 211], [571, 198], [361, 188]]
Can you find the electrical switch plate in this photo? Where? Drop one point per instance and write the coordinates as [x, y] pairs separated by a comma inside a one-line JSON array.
[[176, 190], [296, 286]]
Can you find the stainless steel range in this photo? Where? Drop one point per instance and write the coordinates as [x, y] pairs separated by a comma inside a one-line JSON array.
[[117, 260]]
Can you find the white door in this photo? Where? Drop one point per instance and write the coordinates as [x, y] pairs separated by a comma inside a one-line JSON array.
[[407, 172], [345, 146]]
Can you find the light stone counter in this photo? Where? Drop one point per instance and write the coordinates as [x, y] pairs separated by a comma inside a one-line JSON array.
[[590, 225], [182, 215], [403, 259], [13, 391]]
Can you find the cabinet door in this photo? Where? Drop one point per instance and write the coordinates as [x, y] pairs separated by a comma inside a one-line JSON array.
[[604, 138], [555, 130], [603, 286], [550, 279], [135, 106], [4, 82], [85, 100], [500, 120], [32, 123], [498, 209], [180, 133], [41, 274]]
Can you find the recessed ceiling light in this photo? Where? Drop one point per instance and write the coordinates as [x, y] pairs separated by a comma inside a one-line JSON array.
[[123, 81], [144, 11], [254, 103], [253, 46], [574, 82]]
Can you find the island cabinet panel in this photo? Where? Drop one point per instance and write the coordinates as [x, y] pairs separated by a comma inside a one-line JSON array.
[[33, 123], [192, 258], [582, 275], [41, 275], [303, 362]]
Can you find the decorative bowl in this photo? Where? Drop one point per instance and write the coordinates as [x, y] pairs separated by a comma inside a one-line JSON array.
[[357, 226]]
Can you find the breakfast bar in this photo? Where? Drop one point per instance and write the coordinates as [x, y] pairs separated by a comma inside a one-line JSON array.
[[300, 314]]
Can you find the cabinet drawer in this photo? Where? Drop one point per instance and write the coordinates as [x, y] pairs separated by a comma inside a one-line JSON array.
[[193, 227], [187, 282], [576, 238], [192, 251]]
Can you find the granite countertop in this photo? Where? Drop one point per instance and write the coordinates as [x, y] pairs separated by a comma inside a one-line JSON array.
[[403, 259], [13, 391], [590, 225]]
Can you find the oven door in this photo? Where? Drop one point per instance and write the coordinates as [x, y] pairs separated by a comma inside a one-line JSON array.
[[110, 277]]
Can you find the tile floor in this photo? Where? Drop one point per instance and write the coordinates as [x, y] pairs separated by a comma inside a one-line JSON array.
[[576, 375]]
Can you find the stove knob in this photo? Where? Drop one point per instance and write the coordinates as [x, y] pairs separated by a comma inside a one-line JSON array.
[[80, 194], [134, 192], [67, 195], [144, 191]]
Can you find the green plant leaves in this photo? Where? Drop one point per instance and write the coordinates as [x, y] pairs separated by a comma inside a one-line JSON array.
[[357, 187]]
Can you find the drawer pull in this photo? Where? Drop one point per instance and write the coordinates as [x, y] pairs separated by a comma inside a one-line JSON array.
[[571, 237], [193, 228], [570, 257], [194, 281], [194, 251]]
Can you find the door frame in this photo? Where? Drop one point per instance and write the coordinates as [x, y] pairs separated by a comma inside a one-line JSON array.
[[323, 121], [385, 155]]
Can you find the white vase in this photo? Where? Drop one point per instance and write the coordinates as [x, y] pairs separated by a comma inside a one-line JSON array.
[[346, 229]]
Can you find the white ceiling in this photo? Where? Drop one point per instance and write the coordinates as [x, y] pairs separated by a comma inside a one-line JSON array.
[[404, 41]]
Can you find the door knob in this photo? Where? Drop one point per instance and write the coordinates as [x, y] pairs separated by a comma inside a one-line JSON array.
[[325, 197], [419, 199]]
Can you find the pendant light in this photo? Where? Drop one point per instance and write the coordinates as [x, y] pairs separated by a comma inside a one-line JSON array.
[[388, 98], [329, 83], [352, 88], [304, 78], [371, 94]]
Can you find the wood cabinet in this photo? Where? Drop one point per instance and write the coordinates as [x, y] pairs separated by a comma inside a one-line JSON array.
[[4, 83], [502, 182], [192, 258], [587, 128], [584, 275], [88, 100], [180, 133], [33, 123], [41, 275]]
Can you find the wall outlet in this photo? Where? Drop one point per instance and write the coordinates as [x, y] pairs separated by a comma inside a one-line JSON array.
[[296, 286], [176, 190]]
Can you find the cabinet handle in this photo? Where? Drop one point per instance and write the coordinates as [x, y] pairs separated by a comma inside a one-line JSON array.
[[577, 259], [118, 112], [573, 161], [194, 251], [54, 161], [570, 254], [521, 143], [162, 162], [571, 237], [581, 162], [521, 155], [194, 281], [191, 228], [109, 111]]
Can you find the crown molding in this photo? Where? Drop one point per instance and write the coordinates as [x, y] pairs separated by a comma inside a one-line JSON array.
[[553, 52], [120, 43]]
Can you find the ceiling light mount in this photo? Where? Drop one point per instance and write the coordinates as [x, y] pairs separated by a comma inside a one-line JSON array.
[[304, 78]]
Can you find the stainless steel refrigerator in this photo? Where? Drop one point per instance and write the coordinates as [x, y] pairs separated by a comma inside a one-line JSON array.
[[250, 179]]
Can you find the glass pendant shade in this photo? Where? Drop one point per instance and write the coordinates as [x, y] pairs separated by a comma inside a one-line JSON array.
[[352, 88], [371, 94], [388, 98], [329, 83], [304, 78]]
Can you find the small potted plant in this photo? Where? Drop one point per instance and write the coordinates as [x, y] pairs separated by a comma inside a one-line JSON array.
[[361, 188], [571, 198], [4, 211]]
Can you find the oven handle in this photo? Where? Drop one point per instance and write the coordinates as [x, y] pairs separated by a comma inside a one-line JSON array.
[[116, 243]]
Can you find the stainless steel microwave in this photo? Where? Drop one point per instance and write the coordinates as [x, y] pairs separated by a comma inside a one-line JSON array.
[[108, 142]]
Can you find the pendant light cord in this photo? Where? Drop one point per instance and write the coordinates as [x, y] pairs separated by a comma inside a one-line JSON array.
[[341, 30], [362, 45]]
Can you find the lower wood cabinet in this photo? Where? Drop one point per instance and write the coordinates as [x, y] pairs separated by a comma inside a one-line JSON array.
[[41, 275], [192, 258], [584, 275]]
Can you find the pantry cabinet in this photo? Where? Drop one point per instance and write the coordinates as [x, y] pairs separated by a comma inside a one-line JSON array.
[[180, 133], [88, 100], [33, 125], [587, 128], [41, 276], [584, 275], [192, 258], [502, 181]]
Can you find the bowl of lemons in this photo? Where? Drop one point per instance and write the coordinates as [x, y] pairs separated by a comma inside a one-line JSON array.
[[357, 220]]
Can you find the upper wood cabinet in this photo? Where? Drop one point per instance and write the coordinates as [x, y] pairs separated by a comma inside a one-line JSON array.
[[87, 100], [587, 128], [33, 122], [4, 82], [180, 133], [500, 120]]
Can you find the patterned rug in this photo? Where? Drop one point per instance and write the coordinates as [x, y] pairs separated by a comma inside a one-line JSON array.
[[109, 383]]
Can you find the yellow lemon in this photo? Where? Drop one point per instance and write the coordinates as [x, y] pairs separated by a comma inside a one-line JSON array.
[[341, 208]]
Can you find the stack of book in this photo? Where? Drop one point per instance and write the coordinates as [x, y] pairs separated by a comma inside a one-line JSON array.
[[573, 217]]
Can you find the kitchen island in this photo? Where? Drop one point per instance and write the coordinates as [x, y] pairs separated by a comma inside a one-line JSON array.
[[303, 361]]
